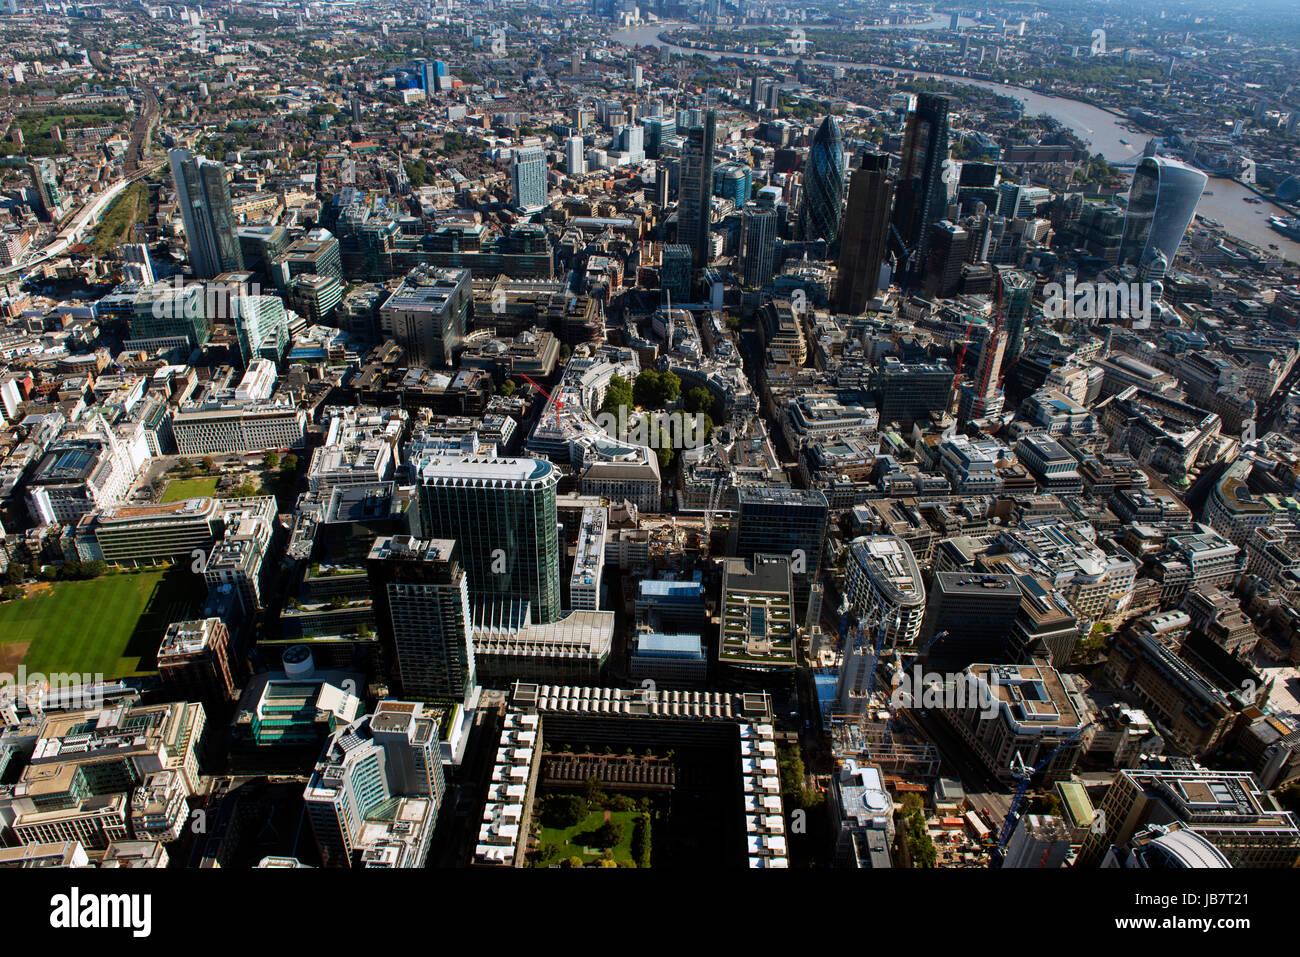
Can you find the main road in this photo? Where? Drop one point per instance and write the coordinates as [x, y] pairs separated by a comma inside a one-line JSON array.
[[1225, 201]]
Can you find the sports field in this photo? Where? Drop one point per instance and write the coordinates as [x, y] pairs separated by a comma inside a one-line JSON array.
[[110, 625], [179, 489]]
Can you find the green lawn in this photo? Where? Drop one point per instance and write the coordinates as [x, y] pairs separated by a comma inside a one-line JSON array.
[[110, 625], [179, 489], [571, 844]]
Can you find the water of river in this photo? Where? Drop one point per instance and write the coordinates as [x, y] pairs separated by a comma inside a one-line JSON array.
[[1102, 131]]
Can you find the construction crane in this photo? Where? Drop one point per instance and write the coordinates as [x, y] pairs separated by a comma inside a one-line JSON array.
[[882, 629], [714, 495], [1023, 776], [961, 359], [903, 257], [889, 724]]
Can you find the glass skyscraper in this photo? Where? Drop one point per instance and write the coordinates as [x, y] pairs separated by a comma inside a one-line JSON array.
[[864, 235], [695, 192], [262, 327], [921, 197], [204, 200], [823, 194], [1160, 208], [528, 177], [502, 513], [758, 244], [421, 603], [1017, 300]]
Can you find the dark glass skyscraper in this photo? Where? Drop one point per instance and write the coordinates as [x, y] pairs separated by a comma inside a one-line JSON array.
[[1160, 208], [823, 196], [758, 244], [864, 235], [204, 200], [501, 512], [1017, 299], [695, 192], [921, 197], [421, 604]]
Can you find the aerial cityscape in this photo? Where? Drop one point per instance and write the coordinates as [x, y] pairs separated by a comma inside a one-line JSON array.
[[686, 434]]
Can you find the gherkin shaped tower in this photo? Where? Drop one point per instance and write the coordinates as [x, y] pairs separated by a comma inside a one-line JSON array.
[[824, 184]]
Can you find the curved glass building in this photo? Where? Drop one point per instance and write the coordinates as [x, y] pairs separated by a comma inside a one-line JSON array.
[[824, 184], [1160, 208]]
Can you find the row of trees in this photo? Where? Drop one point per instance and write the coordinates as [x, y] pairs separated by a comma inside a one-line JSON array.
[[920, 846]]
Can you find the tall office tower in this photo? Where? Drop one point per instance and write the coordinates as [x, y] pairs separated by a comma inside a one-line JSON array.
[[50, 200], [864, 235], [983, 397], [978, 175], [823, 198], [428, 313], [374, 795], [978, 612], [502, 514], [675, 271], [658, 129], [631, 139], [204, 199], [661, 187], [1161, 205], [884, 582], [262, 327], [421, 602], [695, 191], [784, 521], [434, 76], [528, 177], [921, 196], [1017, 300], [949, 247], [757, 244], [575, 159]]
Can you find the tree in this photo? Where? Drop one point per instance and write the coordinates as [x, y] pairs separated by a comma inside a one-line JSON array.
[[290, 465], [10, 592], [574, 861], [791, 769], [271, 460], [618, 394], [654, 390], [14, 574], [209, 463], [641, 841], [919, 843], [699, 399], [508, 387], [563, 810], [608, 834]]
